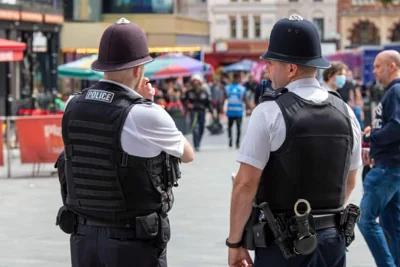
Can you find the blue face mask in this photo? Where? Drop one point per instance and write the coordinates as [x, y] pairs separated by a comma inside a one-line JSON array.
[[340, 80]]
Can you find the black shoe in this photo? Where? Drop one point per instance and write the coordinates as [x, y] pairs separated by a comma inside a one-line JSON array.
[[230, 142], [237, 145], [197, 149]]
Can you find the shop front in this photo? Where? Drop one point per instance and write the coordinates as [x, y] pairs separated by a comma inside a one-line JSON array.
[[38, 26], [226, 53]]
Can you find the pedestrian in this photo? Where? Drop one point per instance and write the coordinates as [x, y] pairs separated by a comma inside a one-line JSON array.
[[235, 95], [381, 197], [302, 146], [335, 76], [197, 100], [122, 155]]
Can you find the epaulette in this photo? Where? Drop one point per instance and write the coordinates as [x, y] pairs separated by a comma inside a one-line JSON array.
[[335, 94], [271, 94]]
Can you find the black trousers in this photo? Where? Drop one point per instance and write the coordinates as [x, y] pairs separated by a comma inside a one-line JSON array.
[[238, 121], [112, 247]]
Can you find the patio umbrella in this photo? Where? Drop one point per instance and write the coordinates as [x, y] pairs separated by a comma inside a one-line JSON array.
[[80, 69], [244, 65], [164, 66], [174, 65]]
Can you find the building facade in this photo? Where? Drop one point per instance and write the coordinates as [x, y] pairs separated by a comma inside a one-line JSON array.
[[239, 29], [323, 13], [197, 9], [166, 23], [368, 22]]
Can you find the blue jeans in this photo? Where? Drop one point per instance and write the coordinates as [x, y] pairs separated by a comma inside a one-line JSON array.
[[331, 252], [382, 199], [198, 119]]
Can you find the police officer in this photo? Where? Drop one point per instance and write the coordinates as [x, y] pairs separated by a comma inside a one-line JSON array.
[[302, 146], [122, 155]]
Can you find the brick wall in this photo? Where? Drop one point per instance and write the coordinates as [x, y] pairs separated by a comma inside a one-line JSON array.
[[385, 17], [345, 6]]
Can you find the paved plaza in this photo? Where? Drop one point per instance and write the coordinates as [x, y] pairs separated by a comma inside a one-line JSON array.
[[199, 219]]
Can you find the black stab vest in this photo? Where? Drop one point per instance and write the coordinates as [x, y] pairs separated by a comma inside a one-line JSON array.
[[104, 182], [313, 162]]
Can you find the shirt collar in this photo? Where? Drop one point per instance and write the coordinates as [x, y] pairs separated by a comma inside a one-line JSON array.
[[123, 86], [305, 82], [392, 83]]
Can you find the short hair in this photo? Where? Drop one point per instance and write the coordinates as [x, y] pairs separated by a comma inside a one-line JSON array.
[[336, 66]]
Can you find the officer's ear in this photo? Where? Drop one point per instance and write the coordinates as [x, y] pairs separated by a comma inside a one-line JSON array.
[[137, 71], [293, 70]]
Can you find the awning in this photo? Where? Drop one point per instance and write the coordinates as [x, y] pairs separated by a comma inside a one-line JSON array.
[[11, 50]]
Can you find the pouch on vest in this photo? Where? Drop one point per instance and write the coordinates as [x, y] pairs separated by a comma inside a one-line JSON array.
[[147, 226], [259, 233], [165, 231], [65, 220]]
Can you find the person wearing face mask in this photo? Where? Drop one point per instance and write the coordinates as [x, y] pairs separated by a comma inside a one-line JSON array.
[[120, 162], [335, 76]]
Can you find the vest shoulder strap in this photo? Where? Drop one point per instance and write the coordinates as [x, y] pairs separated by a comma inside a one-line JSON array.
[[336, 101], [335, 94], [271, 95]]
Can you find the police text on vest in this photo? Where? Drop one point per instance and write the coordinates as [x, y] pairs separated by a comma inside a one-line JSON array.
[[99, 95]]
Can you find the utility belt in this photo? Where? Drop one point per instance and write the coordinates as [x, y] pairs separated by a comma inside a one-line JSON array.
[[295, 235], [148, 227]]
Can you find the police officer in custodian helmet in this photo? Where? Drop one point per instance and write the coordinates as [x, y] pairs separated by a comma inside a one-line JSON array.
[[122, 155], [298, 162]]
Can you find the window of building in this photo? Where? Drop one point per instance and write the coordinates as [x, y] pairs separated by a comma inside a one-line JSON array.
[[134, 6], [396, 33], [365, 33], [232, 20], [319, 23], [257, 27], [293, 0], [245, 27], [234, 0]]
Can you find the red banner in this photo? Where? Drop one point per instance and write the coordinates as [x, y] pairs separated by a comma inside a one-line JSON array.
[[40, 138], [1, 143]]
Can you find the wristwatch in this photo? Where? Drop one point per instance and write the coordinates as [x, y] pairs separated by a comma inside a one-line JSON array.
[[234, 245]]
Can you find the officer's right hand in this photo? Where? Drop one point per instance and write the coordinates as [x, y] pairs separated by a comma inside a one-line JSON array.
[[146, 90], [239, 257]]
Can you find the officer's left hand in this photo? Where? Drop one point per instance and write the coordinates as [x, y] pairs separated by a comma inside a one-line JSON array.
[[239, 257], [146, 90]]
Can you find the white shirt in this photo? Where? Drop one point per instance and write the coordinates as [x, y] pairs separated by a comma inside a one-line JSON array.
[[266, 131], [149, 130]]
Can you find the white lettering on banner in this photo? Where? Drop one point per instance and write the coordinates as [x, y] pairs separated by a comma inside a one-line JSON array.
[[57, 150], [52, 129], [6, 56], [99, 95]]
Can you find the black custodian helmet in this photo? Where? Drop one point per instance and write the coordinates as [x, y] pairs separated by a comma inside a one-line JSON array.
[[296, 40], [123, 45]]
